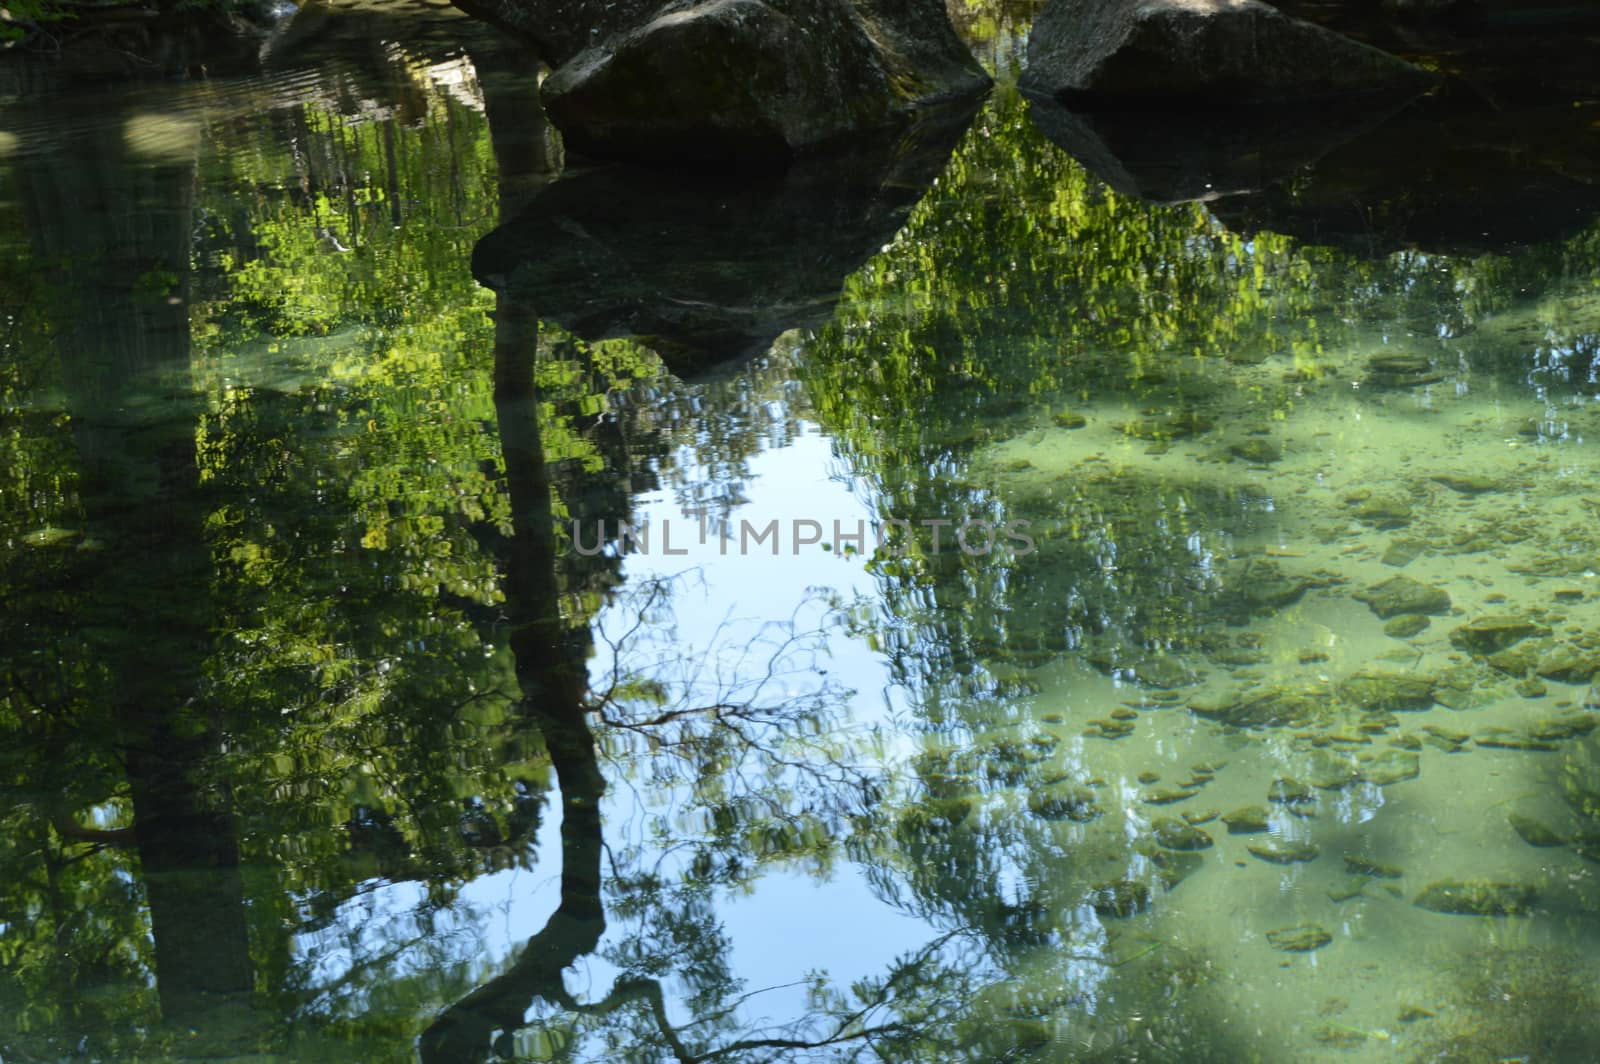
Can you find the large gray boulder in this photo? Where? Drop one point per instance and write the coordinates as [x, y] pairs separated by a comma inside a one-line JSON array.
[[1199, 52], [748, 81]]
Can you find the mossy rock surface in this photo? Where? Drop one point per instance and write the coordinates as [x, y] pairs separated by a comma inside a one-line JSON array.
[[1401, 594], [1390, 766], [1382, 689], [1302, 938], [1535, 832], [1265, 707], [1485, 635], [1120, 898], [1175, 834], [1065, 802], [1568, 664], [1476, 897], [1247, 820], [1406, 625], [1284, 851]]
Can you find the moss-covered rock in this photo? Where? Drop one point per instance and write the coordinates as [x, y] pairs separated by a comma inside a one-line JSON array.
[[1383, 511], [1064, 802], [1476, 897], [1247, 820], [1485, 635], [1284, 851], [1120, 898], [1175, 834], [1401, 594], [1389, 766], [1406, 625], [1381, 689], [1535, 832], [1262, 586], [1567, 663], [1302, 938], [1401, 371], [1356, 864], [1270, 706]]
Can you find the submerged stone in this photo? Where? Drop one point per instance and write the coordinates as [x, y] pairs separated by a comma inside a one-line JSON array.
[[1406, 625], [1509, 739], [1458, 687], [1288, 791], [1261, 707], [1164, 672], [1339, 1036], [1284, 851], [1331, 770], [1485, 635], [1247, 820], [1476, 898], [1450, 740], [1108, 729], [1564, 726], [1390, 766], [1401, 594], [935, 815], [1379, 689], [1401, 371], [1517, 660], [1531, 687], [1301, 938], [1383, 512], [1261, 586], [1353, 887], [1168, 795], [1177, 425], [1174, 866], [1580, 777], [1403, 551], [1064, 803], [1466, 483], [1535, 832], [1175, 834], [1120, 898], [1568, 664], [1365, 866], [1069, 419], [1258, 450], [50, 536]]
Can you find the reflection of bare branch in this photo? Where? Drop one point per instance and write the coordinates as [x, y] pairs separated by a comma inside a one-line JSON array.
[[846, 1028], [738, 719]]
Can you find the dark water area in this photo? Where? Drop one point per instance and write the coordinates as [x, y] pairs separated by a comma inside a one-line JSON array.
[[459, 603]]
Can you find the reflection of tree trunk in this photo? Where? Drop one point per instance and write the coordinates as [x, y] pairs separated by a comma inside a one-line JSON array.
[[551, 663], [527, 148], [117, 230]]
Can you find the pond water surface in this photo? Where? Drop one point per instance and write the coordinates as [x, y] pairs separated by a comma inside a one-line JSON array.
[[1248, 718]]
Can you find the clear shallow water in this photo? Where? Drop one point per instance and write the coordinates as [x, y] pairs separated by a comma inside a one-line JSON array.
[[275, 601]]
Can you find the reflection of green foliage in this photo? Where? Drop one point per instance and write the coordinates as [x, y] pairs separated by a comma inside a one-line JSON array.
[[1021, 287]]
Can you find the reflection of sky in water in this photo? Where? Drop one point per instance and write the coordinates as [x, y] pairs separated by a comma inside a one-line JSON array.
[[793, 923], [736, 593]]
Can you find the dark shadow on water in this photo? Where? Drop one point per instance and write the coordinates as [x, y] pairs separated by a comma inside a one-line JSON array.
[[707, 268]]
